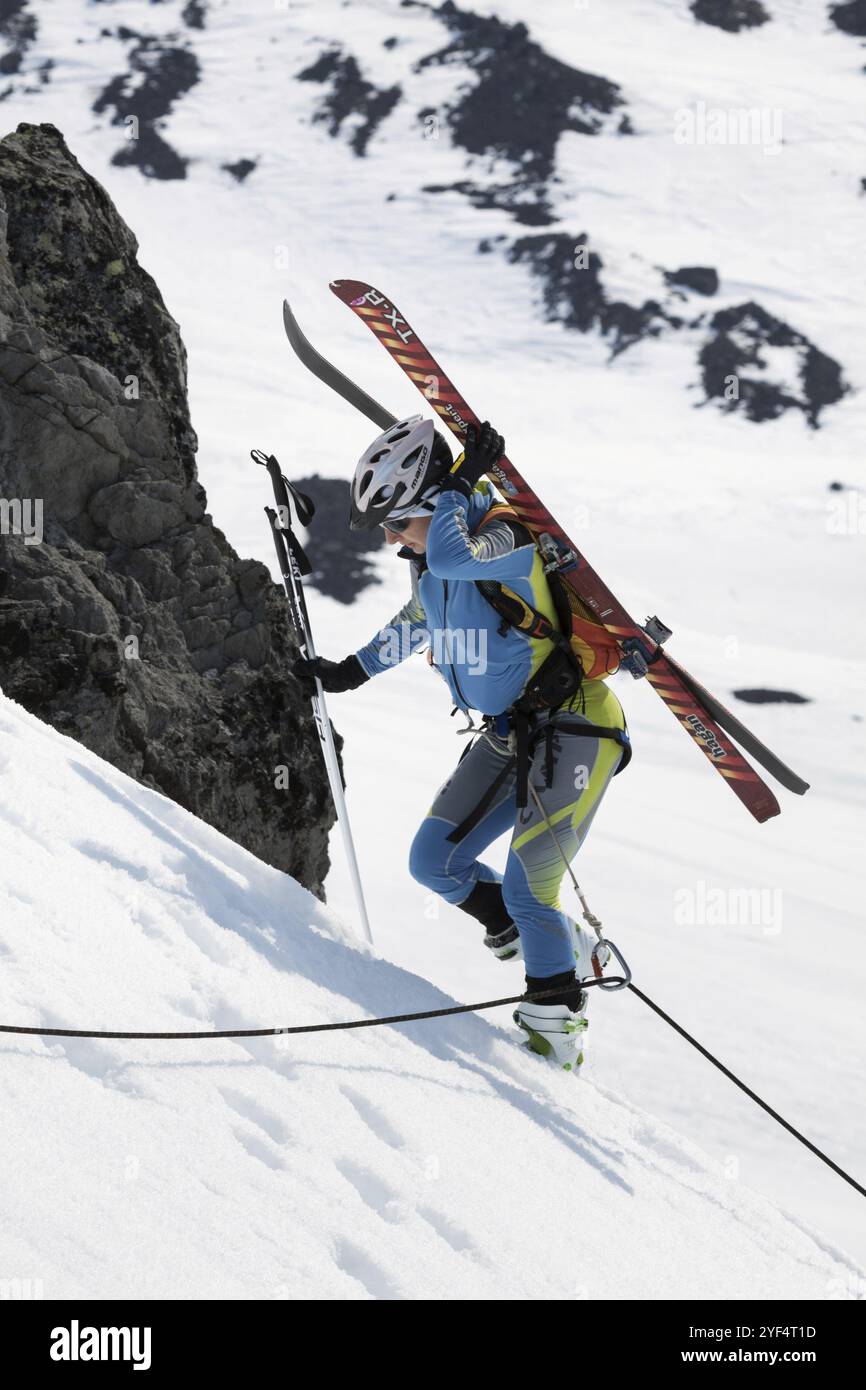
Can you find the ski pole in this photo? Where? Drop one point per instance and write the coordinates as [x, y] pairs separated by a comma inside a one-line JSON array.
[[294, 565]]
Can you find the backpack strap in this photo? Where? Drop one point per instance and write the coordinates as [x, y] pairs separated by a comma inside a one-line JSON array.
[[515, 611]]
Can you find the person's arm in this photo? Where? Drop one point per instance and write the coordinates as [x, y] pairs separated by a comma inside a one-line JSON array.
[[406, 633], [504, 550]]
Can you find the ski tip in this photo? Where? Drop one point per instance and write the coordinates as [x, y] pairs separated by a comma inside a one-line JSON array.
[[348, 290]]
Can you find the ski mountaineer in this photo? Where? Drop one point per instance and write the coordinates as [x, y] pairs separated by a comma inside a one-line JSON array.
[[550, 741]]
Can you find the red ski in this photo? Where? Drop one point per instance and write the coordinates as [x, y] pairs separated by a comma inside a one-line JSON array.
[[641, 648]]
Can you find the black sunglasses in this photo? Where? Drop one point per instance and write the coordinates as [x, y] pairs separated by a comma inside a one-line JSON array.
[[398, 526]]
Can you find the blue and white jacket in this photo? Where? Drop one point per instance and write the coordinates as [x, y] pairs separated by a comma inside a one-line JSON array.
[[485, 662]]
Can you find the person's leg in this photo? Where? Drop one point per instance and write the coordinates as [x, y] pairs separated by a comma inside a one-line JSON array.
[[452, 868], [581, 769]]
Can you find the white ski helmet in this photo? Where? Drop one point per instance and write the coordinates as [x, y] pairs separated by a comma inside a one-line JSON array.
[[399, 474]]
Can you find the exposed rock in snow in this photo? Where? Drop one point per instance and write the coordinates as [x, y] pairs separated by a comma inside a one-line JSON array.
[[574, 294], [159, 73], [350, 99], [18, 26], [751, 347], [771, 697], [850, 17], [240, 169], [731, 15], [702, 279], [520, 104]]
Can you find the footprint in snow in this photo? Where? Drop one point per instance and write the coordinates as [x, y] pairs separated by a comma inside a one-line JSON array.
[[374, 1118], [250, 1109], [258, 1148], [372, 1190], [458, 1239], [358, 1265]]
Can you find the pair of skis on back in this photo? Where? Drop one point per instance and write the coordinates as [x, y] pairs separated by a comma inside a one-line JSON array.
[[709, 724]]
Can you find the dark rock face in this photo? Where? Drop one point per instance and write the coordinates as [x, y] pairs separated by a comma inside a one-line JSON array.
[[731, 15], [734, 351], [850, 18], [126, 619], [772, 697], [339, 557], [350, 95], [159, 73]]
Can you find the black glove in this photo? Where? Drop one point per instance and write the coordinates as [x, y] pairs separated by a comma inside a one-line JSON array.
[[481, 449], [336, 676]]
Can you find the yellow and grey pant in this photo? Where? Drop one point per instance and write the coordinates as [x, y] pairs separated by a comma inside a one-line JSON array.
[[570, 773]]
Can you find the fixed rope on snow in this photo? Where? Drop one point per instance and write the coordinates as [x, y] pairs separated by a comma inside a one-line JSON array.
[[612, 982]]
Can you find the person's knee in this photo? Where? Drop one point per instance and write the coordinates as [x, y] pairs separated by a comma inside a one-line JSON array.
[[515, 894], [427, 855], [528, 892]]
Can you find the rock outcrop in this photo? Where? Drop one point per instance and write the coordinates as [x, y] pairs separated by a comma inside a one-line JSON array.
[[126, 619]]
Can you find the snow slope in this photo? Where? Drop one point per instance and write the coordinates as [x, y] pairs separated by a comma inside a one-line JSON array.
[[724, 528], [429, 1161]]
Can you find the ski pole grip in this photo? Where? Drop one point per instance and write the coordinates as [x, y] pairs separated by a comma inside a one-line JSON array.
[[281, 494]]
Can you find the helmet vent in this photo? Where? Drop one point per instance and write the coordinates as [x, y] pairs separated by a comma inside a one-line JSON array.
[[410, 460]]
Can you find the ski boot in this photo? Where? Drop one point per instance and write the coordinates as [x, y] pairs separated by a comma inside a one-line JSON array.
[[505, 946], [555, 1026], [486, 906]]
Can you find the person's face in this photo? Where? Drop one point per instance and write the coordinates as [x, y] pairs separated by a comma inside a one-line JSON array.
[[415, 534]]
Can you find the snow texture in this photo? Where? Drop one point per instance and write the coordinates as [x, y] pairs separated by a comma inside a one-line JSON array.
[[427, 1161]]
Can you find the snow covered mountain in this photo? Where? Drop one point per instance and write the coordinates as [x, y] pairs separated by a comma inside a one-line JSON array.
[[413, 1162], [635, 241]]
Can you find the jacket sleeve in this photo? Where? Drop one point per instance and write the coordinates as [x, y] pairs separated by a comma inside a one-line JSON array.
[[406, 633], [495, 554]]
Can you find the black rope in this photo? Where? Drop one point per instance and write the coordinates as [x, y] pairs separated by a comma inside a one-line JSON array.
[[749, 1092], [608, 981]]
